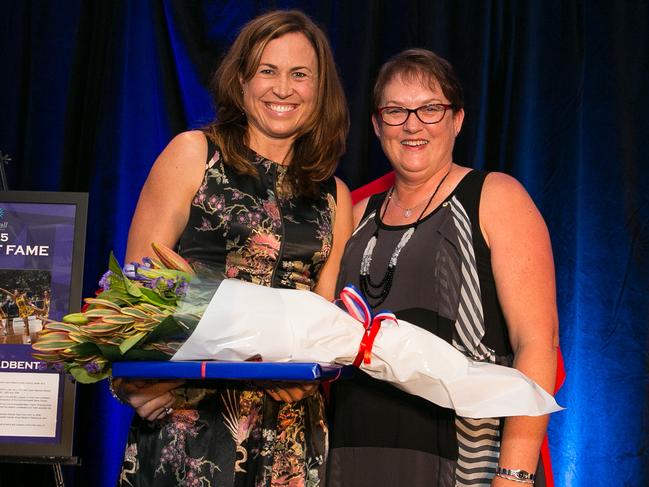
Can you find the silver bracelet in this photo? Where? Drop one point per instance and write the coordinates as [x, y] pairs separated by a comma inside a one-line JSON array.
[[111, 389], [520, 476]]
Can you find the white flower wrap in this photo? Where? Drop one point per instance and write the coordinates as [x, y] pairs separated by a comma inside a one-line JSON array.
[[244, 320]]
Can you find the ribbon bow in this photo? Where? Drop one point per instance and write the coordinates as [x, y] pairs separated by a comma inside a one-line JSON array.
[[358, 308]]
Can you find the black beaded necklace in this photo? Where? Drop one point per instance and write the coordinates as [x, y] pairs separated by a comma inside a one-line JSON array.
[[377, 292]]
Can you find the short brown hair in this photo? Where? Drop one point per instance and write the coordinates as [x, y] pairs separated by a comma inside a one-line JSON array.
[[321, 142], [422, 64]]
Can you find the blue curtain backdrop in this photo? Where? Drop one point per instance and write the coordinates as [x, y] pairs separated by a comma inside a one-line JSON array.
[[556, 95]]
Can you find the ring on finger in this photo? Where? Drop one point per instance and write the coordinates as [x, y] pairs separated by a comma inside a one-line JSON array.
[[167, 411]]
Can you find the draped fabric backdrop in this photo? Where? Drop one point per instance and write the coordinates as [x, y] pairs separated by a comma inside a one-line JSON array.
[[556, 95]]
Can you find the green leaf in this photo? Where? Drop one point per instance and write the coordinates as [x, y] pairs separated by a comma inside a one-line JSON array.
[[154, 298], [98, 312], [165, 274], [139, 354], [75, 318], [133, 289], [102, 302], [118, 320], [171, 327], [52, 335], [43, 346], [112, 353], [117, 296], [130, 342], [55, 325], [115, 268], [83, 376], [52, 341], [111, 340], [46, 357], [135, 313], [85, 349], [149, 308], [101, 329]]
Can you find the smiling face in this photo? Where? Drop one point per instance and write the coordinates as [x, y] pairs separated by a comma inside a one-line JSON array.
[[417, 150], [280, 97]]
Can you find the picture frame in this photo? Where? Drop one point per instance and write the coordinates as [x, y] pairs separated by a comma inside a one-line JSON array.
[[42, 247]]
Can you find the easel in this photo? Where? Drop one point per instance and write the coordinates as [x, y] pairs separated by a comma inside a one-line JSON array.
[[4, 159], [55, 461]]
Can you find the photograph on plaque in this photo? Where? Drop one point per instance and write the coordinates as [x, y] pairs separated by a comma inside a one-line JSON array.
[[41, 264], [25, 300]]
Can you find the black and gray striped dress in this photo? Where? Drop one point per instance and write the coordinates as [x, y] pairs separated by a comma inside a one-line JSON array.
[[443, 282]]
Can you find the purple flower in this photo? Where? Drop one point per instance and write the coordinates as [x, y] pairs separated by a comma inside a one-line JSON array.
[[181, 289], [92, 367], [153, 283], [104, 282], [130, 270]]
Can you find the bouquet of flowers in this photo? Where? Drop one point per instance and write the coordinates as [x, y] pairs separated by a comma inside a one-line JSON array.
[[141, 312], [160, 310]]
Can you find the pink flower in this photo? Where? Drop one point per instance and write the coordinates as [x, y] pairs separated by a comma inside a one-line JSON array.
[[265, 243], [272, 210], [231, 272]]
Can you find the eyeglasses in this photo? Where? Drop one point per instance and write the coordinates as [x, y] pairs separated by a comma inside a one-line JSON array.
[[428, 114]]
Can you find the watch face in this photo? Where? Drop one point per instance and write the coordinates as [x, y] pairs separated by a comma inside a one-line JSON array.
[[516, 474]]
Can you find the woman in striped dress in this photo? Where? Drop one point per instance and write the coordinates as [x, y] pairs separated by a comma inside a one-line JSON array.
[[463, 254]]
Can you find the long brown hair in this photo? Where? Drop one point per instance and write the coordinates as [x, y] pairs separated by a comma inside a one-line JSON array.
[[321, 141]]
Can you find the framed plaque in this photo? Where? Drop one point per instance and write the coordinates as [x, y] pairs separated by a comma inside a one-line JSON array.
[[42, 239]]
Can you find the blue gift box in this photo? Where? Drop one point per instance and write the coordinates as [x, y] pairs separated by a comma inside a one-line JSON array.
[[227, 370]]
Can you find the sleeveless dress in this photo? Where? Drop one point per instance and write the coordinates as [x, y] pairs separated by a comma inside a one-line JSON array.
[[443, 282], [232, 433]]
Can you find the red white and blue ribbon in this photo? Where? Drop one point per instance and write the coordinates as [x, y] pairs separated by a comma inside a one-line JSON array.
[[357, 307]]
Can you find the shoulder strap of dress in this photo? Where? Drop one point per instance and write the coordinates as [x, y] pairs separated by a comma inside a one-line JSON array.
[[331, 188], [374, 203], [211, 148], [468, 192]]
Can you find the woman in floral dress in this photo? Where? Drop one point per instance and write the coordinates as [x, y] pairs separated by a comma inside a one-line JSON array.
[[253, 197]]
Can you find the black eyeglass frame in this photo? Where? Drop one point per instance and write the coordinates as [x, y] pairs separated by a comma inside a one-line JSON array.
[[409, 111]]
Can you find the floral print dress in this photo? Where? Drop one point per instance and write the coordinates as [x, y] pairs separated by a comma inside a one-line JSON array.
[[232, 433]]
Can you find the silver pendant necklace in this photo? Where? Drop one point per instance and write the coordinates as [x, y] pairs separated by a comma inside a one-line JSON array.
[[407, 212], [376, 292]]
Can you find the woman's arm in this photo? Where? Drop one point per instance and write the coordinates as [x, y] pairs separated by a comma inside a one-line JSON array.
[[161, 215], [163, 207], [523, 267]]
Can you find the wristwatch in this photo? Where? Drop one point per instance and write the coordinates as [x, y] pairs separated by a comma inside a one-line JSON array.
[[515, 474]]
